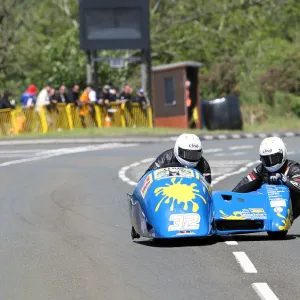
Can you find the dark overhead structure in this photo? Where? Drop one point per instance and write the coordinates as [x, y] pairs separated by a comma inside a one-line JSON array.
[[113, 25]]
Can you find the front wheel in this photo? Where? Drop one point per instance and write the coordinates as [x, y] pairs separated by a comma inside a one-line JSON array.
[[277, 235]]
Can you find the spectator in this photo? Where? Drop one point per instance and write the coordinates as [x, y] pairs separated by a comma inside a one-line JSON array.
[[52, 117], [83, 105], [61, 96], [141, 100], [113, 95], [92, 94], [28, 97], [52, 96], [43, 97], [105, 95], [92, 101], [126, 96], [126, 93], [53, 101], [104, 100], [4, 101], [74, 94]]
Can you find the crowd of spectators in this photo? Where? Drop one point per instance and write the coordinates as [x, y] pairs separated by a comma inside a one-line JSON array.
[[85, 100], [48, 95]]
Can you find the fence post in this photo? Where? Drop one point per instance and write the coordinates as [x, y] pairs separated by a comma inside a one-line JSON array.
[[69, 116], [123, 121], [98, 116], [150, 120], [44, 123], [14, 122]]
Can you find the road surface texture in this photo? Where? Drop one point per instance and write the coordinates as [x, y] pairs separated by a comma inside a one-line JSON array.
[[65, 230]]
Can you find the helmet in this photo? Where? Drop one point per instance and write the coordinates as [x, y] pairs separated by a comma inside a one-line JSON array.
[[272, 153], [188, 150]]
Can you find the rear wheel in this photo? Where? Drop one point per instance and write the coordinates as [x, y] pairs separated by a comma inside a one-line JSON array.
[[277, 235]]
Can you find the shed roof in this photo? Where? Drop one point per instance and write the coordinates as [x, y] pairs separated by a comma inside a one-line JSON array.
[[177, 65]]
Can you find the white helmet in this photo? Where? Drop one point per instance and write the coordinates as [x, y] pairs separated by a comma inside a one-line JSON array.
[[188, 150], [272, 153]]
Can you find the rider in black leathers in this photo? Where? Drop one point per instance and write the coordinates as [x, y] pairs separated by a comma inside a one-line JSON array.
[[168, 157], [288, 173], [188, 153]]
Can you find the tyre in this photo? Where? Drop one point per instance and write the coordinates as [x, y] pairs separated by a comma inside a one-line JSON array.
[[277, 235]]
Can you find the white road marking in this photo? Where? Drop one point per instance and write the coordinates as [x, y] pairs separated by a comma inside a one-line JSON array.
[[289, 134], [15, 155], [245, 262], [221, 154], [23, 151], [147, 160], [135, 164], [241, 147], [214, 150], [65, 151], [239, 171], [231, 243], [226, 171], [264, 291], [240, 153]]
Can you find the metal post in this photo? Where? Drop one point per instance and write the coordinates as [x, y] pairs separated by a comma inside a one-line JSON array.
[[88, 68], [149, 77], [143, 75], [96, 79]]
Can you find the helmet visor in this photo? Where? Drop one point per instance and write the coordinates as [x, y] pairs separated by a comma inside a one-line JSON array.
[[190, 155], [272, 160]]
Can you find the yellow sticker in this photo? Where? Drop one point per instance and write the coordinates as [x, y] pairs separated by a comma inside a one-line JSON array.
[[178, 192], [257, 210]]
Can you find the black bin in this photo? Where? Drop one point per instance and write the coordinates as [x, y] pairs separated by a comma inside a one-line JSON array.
[[222, 113]]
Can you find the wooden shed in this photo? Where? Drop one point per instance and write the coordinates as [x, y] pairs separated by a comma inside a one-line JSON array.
[[169, 94]]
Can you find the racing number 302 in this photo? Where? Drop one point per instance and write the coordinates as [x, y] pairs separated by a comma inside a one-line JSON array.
[[184, 222]]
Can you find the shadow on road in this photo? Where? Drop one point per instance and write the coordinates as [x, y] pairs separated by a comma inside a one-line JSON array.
[[182, 242], [259, 238], [209, 241]]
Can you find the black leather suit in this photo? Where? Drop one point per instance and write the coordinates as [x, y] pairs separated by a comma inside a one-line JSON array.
[[168, 157], [260, 175]]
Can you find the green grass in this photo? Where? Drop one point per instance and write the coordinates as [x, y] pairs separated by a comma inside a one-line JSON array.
[[276, 124]]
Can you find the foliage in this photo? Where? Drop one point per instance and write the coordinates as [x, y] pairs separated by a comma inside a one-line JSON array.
[[248, 47]]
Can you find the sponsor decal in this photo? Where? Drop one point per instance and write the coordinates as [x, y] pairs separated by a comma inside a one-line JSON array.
[[255, 214], [146, 184], [257, 210], [170, 172], [194, 146], [275, 203], [161, 173], [267, 151]]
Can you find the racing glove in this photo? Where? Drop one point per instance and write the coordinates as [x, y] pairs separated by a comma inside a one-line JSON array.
[[275, 179]]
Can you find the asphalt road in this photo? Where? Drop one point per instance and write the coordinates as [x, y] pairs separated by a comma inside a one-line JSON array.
[[65, 231]]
